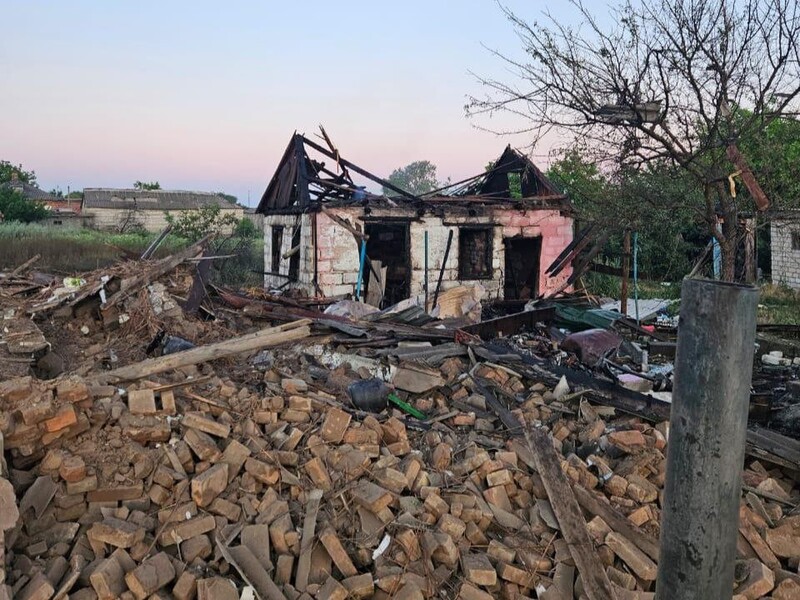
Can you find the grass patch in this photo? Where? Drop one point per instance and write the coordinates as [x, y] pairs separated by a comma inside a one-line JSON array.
[[246, 269], [609, 286], [779, 304], [72, 251]]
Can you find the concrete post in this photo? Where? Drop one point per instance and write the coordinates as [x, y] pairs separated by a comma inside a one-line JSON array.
[[708, 425]]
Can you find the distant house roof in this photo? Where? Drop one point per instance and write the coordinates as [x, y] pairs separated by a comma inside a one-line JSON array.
[[151, 199], [28, 191], [63, 205]]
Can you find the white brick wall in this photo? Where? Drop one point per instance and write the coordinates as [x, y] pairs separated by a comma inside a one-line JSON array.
[[306, 275], [338, 253], [785, 261]]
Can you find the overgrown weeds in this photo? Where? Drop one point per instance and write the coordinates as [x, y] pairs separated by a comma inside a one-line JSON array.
[[779, 304], [71, 251]]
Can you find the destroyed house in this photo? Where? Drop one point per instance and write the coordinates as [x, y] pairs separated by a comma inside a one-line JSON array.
[[499, 229]]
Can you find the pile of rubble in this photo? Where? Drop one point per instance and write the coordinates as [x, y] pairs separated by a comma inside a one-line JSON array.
[[243, 468]]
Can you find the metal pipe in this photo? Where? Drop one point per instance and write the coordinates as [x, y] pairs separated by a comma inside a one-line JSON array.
[[361, 262], [426, 271], [626, 267], [315, 242], [636, 274], [708, 425]]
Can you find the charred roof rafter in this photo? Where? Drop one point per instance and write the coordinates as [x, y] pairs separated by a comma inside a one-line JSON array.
[[301, 183]]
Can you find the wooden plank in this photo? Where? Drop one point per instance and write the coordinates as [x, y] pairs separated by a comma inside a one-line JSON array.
[[617, 522], [572, 249], [750, 182], [361, 171], [506, 416], [307, 541], [163, 266], [573, 526], [251, 571], [197, 293], [303, 198], [375, 286], [265, 338], [24, 265]]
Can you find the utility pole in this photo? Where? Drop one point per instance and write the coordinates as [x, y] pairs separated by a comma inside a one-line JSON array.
[[708, 428]]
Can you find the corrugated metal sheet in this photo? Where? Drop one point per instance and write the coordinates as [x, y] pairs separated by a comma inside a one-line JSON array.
[[647, 308]]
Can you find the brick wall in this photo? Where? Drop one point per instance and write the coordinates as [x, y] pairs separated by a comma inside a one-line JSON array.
[[785, 260], [306, 273], [338, 252]]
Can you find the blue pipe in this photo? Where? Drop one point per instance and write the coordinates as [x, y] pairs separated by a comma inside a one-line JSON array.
[[361, 268], [636, 274], [426, 271]]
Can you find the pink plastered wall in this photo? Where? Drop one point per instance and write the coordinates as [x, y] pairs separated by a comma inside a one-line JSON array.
[[556, 231]]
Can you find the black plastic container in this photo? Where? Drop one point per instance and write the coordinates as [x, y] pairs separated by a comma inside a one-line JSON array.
[[369, 394]]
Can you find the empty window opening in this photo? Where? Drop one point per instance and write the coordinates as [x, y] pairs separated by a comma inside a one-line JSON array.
[[474, 253], [796, 240], [277, 242]]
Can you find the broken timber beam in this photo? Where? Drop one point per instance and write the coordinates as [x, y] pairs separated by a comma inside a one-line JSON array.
[[24, 266], [617, 522], [160, 268], [360, 171], [265, 338], [307, 541], [254, 574], [573, 526]]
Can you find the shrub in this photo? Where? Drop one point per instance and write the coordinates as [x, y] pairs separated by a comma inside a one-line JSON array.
[[16, 208]]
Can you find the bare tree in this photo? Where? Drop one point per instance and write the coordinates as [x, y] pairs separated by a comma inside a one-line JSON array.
[[679, 81]]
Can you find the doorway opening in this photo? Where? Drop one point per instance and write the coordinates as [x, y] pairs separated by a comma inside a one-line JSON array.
[[389, 244], [522, 267]]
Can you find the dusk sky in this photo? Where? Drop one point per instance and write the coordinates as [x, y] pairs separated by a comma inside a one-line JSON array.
[[204, 95]]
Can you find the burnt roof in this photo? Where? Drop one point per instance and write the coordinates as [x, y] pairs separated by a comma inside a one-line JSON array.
[[303, 181], [151, 199]]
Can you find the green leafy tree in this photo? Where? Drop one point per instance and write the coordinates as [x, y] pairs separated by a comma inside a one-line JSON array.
[[246, 229], [146, 185], [417, 178], [228, 197], [635, 199], [231, 236], [196, 224], [659, 81], [773, 153], [13, 207], [7, 171], [514, 181]]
